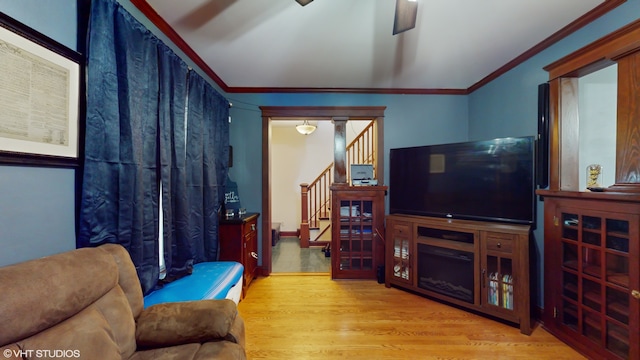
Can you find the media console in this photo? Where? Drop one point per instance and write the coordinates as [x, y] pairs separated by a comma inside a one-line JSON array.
[[483, 266]]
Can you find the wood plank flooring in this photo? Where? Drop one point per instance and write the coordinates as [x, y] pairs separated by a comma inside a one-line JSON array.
[[313, 317]]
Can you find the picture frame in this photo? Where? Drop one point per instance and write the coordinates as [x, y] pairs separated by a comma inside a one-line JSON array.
[[40, 94]]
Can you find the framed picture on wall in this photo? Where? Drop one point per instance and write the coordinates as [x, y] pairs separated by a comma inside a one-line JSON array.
[[40, 92]]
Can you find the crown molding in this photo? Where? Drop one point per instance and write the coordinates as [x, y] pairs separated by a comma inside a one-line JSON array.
[[579, 23]]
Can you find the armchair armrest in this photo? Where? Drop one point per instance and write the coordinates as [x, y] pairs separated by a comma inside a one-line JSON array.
[[178, 323]]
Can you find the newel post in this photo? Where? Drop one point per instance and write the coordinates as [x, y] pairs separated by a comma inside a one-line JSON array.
[[340, 150], [304, 223]]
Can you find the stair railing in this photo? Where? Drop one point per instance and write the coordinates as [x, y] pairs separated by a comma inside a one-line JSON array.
[[316, 196]]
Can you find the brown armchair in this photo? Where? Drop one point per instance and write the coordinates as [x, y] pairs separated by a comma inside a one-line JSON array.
[[88, 304]]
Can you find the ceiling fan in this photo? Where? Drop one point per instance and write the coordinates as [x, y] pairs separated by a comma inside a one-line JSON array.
[[405, 16]]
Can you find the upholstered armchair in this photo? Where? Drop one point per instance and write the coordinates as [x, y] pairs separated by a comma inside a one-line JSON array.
[[88, 304]]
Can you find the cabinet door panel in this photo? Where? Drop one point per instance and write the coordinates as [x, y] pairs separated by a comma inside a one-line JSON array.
[[498, 272], [401, 245], [596, 303], [357, 228]]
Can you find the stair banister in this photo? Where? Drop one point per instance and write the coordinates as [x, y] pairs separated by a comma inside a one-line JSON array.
[[316, 196]]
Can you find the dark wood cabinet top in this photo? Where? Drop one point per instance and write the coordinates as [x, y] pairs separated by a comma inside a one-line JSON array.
[[239, 219]]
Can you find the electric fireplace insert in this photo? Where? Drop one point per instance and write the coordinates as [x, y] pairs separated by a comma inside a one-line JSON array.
[[446, 271]]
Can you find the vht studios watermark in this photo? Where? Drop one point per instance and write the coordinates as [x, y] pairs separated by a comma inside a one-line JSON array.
[[41, 353]]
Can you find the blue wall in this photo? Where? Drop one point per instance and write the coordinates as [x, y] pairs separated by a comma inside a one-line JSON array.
[[409, 120], [36, 204]]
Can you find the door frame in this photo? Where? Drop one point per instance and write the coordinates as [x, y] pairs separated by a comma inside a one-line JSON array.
[[296, 113]]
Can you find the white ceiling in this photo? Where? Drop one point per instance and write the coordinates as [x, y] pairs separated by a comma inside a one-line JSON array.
[[348, 44]]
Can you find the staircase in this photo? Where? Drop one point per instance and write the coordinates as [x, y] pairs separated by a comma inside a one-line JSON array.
[[316, 196]]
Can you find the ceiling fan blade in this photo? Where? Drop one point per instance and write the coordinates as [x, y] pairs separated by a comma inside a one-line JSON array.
[[303, 2], [405, 18]]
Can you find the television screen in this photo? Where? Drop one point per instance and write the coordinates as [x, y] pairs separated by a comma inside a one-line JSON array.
[[490, 180]]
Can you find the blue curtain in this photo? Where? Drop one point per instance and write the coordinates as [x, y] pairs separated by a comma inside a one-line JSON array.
[[194, 170], [139, 134], [208, 158], [173, 94]]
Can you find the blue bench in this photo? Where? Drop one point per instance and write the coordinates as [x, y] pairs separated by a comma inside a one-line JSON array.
[[209, 280]]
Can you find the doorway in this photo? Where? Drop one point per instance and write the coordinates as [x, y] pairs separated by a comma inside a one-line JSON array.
[[295, 113]]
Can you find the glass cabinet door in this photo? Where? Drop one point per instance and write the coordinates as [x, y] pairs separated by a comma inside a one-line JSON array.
[[356, 235], [616, 271], [401, 259], [595, 278], [499, 280], [498, 270]]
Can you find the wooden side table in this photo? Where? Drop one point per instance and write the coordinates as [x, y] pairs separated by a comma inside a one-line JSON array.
[[239, 242]]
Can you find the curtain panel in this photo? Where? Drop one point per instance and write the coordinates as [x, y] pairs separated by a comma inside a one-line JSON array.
[[140, 132], [172, 160], [207, 150]]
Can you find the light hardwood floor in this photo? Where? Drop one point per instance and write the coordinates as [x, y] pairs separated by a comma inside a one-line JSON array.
[[313, 317]]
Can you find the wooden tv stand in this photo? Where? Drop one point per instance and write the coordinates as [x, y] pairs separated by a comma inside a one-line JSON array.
[[497, 257]]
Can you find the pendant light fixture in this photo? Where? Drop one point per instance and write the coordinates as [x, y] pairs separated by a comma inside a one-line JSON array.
[[305, 128]]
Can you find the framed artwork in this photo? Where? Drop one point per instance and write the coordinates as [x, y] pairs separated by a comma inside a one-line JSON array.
[[40, 92]]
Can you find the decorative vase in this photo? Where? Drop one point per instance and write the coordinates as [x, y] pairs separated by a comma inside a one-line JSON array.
[[594, 176]]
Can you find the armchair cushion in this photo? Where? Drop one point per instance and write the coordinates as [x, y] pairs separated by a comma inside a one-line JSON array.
[[170, 324]]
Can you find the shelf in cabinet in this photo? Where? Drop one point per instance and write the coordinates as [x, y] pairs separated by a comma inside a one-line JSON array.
[[619, 279], [619, 336], [570, 233], [356, 237], [404, 262], [570, 317], [593, 270], [593, 324], [571, 287], [619, 234], [592, 231], [618, 308], [356, 255], [571, 264], [616, 252], [571, 311], [592, 296], [591, 320]]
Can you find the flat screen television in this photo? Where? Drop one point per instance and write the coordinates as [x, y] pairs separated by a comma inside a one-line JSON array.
[[491, 180]]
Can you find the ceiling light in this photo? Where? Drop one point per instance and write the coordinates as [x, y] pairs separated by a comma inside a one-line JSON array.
[[303, 2], [405, 17], [305, 128]]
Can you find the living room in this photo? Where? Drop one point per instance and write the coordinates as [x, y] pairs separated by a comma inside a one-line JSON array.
[[38, 212]]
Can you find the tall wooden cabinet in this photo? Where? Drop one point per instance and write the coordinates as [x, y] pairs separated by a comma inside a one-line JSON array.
[[592, 272], [239, 242], [357, 231]]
